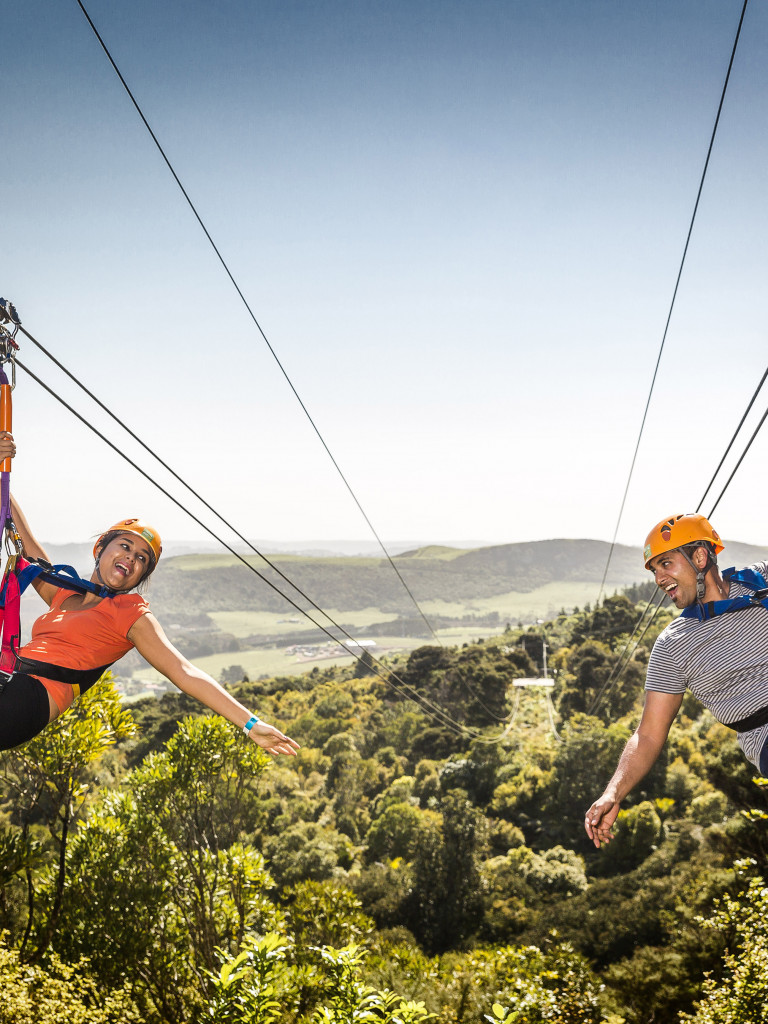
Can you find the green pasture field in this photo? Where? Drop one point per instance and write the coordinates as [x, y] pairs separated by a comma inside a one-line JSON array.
[[245, 623], [434, 552], [274, 661], [214, 561], [438, 552], [542, 603]]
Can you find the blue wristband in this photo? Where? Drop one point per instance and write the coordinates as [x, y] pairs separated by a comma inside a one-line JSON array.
[[253, 720]]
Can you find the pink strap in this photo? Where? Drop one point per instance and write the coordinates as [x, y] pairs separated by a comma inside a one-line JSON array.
[[10, 621]]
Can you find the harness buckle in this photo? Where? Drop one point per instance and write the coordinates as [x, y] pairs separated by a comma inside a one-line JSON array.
[[759, 596]]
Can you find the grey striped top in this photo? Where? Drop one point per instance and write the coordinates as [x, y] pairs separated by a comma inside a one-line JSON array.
[[724, 663]]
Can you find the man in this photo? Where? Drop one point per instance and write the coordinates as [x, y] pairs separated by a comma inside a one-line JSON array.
[[717, 648]]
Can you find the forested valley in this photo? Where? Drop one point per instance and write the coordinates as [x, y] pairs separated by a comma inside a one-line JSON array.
[[419, 860]]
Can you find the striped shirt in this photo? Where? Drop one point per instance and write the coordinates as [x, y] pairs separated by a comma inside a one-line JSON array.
[[723, 662]]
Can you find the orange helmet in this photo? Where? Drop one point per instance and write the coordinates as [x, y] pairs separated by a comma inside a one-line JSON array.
[[677, 531], [141, 529]]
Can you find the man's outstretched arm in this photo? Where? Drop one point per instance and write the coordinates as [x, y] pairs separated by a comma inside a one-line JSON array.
[[639, 756]]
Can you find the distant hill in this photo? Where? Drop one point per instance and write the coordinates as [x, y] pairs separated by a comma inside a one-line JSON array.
[[214, 608], [221, 583]]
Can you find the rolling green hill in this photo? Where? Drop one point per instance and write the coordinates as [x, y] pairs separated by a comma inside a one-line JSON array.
[[222, 616], [219, 583]]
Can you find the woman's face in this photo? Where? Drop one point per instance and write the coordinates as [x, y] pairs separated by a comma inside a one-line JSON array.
[[124, 561]]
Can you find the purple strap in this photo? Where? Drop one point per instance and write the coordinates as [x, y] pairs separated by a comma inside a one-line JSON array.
[[5, 498], [5, 483]]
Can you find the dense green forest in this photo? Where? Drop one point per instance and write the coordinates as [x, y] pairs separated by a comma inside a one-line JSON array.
[[422, 858]]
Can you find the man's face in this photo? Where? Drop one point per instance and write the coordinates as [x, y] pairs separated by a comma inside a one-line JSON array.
[[675, 575]]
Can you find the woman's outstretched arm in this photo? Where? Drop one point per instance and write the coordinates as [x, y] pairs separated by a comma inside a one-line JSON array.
[[150, 641]]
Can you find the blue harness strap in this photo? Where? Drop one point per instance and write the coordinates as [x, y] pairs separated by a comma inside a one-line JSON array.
[[754, 581], [749, 578], [63, 576]]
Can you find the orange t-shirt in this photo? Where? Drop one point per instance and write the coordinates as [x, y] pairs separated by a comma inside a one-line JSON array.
[[82, 637]]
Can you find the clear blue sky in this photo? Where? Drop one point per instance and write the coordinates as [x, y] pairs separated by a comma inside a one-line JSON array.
[[459, 226]]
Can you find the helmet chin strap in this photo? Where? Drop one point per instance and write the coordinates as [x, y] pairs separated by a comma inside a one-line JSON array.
[[701, 585], [101, 578]]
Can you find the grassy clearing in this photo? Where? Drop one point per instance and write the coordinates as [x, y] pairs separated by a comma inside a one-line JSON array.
[[455, 636], [246, 623], [435, 552], [543, 603], [214, 561], [275, 661]]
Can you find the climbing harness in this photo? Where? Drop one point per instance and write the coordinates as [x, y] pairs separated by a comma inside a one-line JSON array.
[[754, 581], [19, 570], [749, 578]]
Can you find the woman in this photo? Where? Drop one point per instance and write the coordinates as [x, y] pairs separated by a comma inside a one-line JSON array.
[[82, 634]]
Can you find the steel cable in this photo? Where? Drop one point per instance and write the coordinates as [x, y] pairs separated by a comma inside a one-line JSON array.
[[672, 304]]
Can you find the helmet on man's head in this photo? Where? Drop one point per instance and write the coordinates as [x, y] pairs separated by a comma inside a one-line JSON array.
[[140, 528], [679, 531]]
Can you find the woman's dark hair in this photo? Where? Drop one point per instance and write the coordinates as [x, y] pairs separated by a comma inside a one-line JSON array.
[[108, 537]]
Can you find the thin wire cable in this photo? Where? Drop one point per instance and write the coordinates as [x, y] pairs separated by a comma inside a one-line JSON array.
[[457, 673], [621, 664], [551, 713], [626, 656], [386, 674], [672, 304], [735, 468], [252, 315], [731, 442]]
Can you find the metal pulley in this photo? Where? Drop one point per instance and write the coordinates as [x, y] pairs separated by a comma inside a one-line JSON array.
[[9, 325]]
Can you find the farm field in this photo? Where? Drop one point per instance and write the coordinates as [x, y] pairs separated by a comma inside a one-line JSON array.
[[282, 630], [257, 623], [278, 661], [544, 602]]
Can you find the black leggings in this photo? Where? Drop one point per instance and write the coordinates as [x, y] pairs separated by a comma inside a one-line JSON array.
[[24, 709]]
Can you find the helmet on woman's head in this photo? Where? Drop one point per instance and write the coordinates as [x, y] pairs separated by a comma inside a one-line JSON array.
[[678, 532], [140, 528]]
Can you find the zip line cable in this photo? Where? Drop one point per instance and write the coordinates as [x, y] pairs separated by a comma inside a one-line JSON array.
[[672, 304], [386, 674], [730, 445], [621, 664], [252, 315], [210, 507], [741, 459], [626, 655], [457, 673]]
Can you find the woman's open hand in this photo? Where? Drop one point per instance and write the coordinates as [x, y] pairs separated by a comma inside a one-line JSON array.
[[272, 740]]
